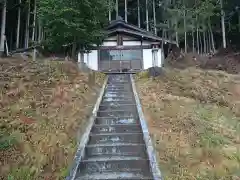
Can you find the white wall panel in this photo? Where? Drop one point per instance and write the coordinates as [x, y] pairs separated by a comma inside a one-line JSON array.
[[147, 58], [131, 43], [109, 43], [160, 58], [91, 60]]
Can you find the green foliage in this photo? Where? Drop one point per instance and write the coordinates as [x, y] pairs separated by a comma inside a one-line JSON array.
[[197, 14], [21, 173], [7, 141], [75, 21]]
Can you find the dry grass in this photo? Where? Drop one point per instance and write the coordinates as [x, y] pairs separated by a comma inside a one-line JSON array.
[[43, 106], [193, 118]]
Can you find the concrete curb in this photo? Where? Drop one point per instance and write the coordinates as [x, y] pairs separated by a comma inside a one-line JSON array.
[[85, 137], [150, 149]]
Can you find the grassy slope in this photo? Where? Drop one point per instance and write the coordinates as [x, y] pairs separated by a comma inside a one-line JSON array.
[[43, 106], [194, 120]]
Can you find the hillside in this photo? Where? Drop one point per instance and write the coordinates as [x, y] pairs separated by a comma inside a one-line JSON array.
[[193, 118], [44, 105]]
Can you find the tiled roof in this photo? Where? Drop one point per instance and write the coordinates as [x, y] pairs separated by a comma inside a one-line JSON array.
[[121, 26]]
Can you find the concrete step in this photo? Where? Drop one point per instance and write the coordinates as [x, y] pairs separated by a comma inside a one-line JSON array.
[[123, 107], [118, 90], [114, 176], [135, 166], [118, 82], [116, 120], [117, 113], [117, 95], [122, 86], [98, 129], [135, 150], [115, 148], [116, 99], [135, 138], [116, 103]]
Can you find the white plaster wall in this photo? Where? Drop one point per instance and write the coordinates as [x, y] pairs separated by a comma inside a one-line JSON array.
[[111, 43], [147, 58], [91, 59], [131, 43], [160, 61]]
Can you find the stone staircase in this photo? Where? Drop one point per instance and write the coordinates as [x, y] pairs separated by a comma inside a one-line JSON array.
[[116, 148]]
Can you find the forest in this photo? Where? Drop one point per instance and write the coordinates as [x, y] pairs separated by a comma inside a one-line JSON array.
[[200, 26], [192, 109]]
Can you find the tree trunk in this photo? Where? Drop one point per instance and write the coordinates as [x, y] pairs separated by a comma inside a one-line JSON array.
[[209, 41], [185, 30], [139, 18], [211, 34], [176, 32], [74, 47], [18, 25], [109, 11], [200, 42], [39, 31], [193, 41], [177, 38], [238, 20], [3, 27], [154, 17], [198, 49], [116, 7], [147, 22], [223, 25], [163, 32], [125, 7], [27, 26], [207, 44], [34, 21], [204, 42]]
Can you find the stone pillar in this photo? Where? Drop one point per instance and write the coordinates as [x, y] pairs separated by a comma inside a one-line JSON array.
[[155, 56]]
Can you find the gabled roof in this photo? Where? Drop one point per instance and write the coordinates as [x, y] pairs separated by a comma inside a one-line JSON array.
[[120, 26]]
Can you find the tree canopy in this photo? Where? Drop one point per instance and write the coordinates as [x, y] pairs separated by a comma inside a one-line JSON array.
[[73, 21], [197, 25]]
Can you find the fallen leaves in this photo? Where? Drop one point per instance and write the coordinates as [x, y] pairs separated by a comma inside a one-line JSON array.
[[193, 115], [47, 104]]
